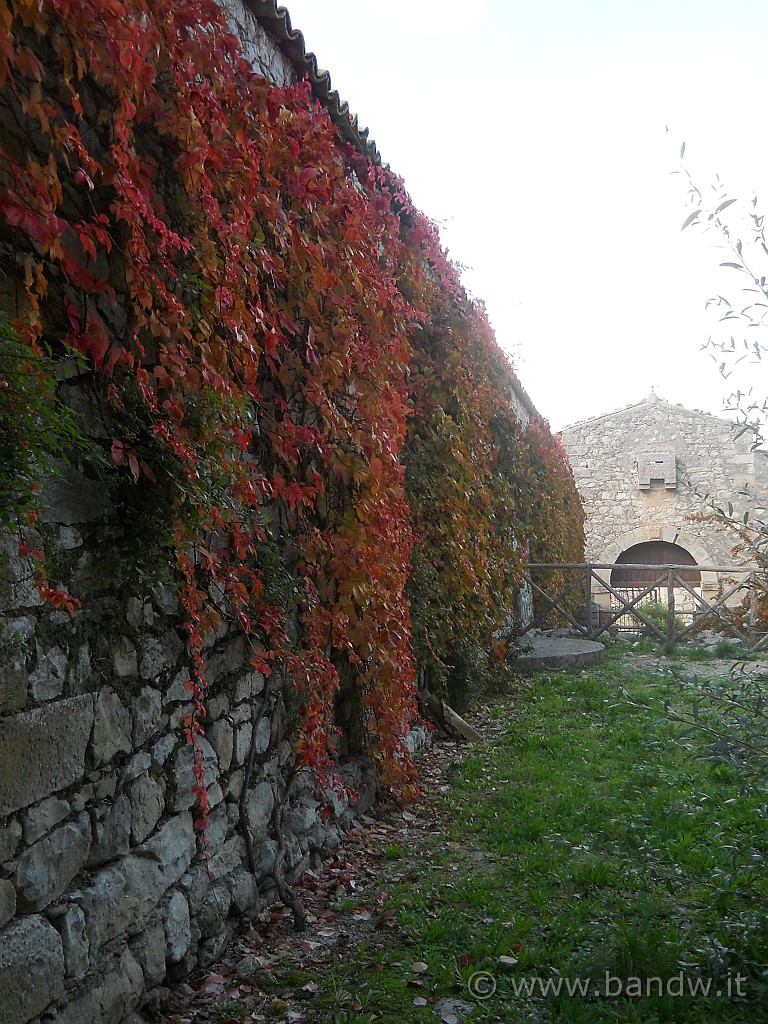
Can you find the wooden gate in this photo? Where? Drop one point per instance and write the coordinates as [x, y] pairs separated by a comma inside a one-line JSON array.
[[573, 603]]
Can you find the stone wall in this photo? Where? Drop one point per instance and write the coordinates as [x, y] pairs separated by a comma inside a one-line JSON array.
[[107, 890], [643, 472]]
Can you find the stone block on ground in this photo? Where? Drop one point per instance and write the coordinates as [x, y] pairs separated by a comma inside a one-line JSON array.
[[117, 992]]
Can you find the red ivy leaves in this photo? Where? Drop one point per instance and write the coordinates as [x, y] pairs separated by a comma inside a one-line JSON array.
[[281, 305]]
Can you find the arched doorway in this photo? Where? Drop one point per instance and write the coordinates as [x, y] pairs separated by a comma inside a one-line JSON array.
[[652, 552], [633, 583]]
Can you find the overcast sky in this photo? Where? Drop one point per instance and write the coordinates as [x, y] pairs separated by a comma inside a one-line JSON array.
[[541, 136]]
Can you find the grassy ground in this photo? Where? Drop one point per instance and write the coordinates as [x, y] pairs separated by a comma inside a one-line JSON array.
[[578, 847]]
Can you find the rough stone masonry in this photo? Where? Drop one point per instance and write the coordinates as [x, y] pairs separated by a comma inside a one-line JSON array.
[[644, 472]]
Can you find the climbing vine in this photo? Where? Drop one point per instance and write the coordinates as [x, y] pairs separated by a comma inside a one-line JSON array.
[[265, 321]]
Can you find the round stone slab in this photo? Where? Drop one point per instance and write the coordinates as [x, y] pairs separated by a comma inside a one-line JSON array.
[[548, 653]]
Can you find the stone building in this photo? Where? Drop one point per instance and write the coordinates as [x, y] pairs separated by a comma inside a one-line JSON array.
[[647, 473]]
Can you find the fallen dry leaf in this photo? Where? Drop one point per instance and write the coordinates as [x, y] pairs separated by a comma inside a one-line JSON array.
[[507, 961]]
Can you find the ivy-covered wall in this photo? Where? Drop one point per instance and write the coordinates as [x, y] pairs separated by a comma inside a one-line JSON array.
[[261, 472]]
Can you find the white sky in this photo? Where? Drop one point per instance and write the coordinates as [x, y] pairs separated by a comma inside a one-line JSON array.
[[535, 134]]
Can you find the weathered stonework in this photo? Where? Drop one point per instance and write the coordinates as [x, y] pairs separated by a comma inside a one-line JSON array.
[[43, 751], [644, 471]]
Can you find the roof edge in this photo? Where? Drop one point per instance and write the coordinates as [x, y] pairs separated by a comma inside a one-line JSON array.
[[276, 22], [651, 400]]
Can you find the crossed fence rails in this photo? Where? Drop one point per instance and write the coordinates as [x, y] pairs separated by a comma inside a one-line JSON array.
[[626, 612]]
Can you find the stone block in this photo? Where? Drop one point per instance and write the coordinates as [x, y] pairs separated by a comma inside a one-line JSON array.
[[17, 631], [43, 751], [218, 706], [177, 928], [17, 588], [258, 807], [31, 969], [111, 831], [69, 497], [46, 868], [118, 990], [185, 779], [125, 893], [211, 949], [245, 891], [267, 852], [149, 950], [81, 672], [263, 734], [7, 901], [106, 786], [74, 941], [166, 600], [177, 692], [111, 727], [221, 738], [249, 686], [136, 766], [227, 857], [147, 710], [13, 671], [41, 819], [235, 654], [69, 538], [162, 750], [215, 666], [125, 659], [47, 680], [243, 742], [195, 884], [214, 910], [134, 612], [216, 828], [159, 653], [147, 804], [302, 818]]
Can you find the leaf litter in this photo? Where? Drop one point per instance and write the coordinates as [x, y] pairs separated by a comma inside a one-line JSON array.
[[270, 972]]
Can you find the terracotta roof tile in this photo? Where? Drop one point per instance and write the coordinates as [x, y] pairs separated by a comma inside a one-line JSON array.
[[276, 21]]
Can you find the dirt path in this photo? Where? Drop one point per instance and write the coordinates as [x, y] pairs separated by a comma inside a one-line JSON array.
[[270, 972]]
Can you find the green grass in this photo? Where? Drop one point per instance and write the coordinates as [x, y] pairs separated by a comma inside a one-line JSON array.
[[581, 842]]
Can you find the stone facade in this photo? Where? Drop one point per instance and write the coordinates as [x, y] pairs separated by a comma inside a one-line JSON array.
[[646, 473]]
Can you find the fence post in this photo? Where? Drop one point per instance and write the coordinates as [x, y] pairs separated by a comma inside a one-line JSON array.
[[670, 606], [752, 617], [588, 602]]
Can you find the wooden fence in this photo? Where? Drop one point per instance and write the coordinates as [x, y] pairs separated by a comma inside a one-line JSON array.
[[574, 602]]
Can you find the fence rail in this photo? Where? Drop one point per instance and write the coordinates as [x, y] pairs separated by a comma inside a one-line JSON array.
[[625, 613]]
